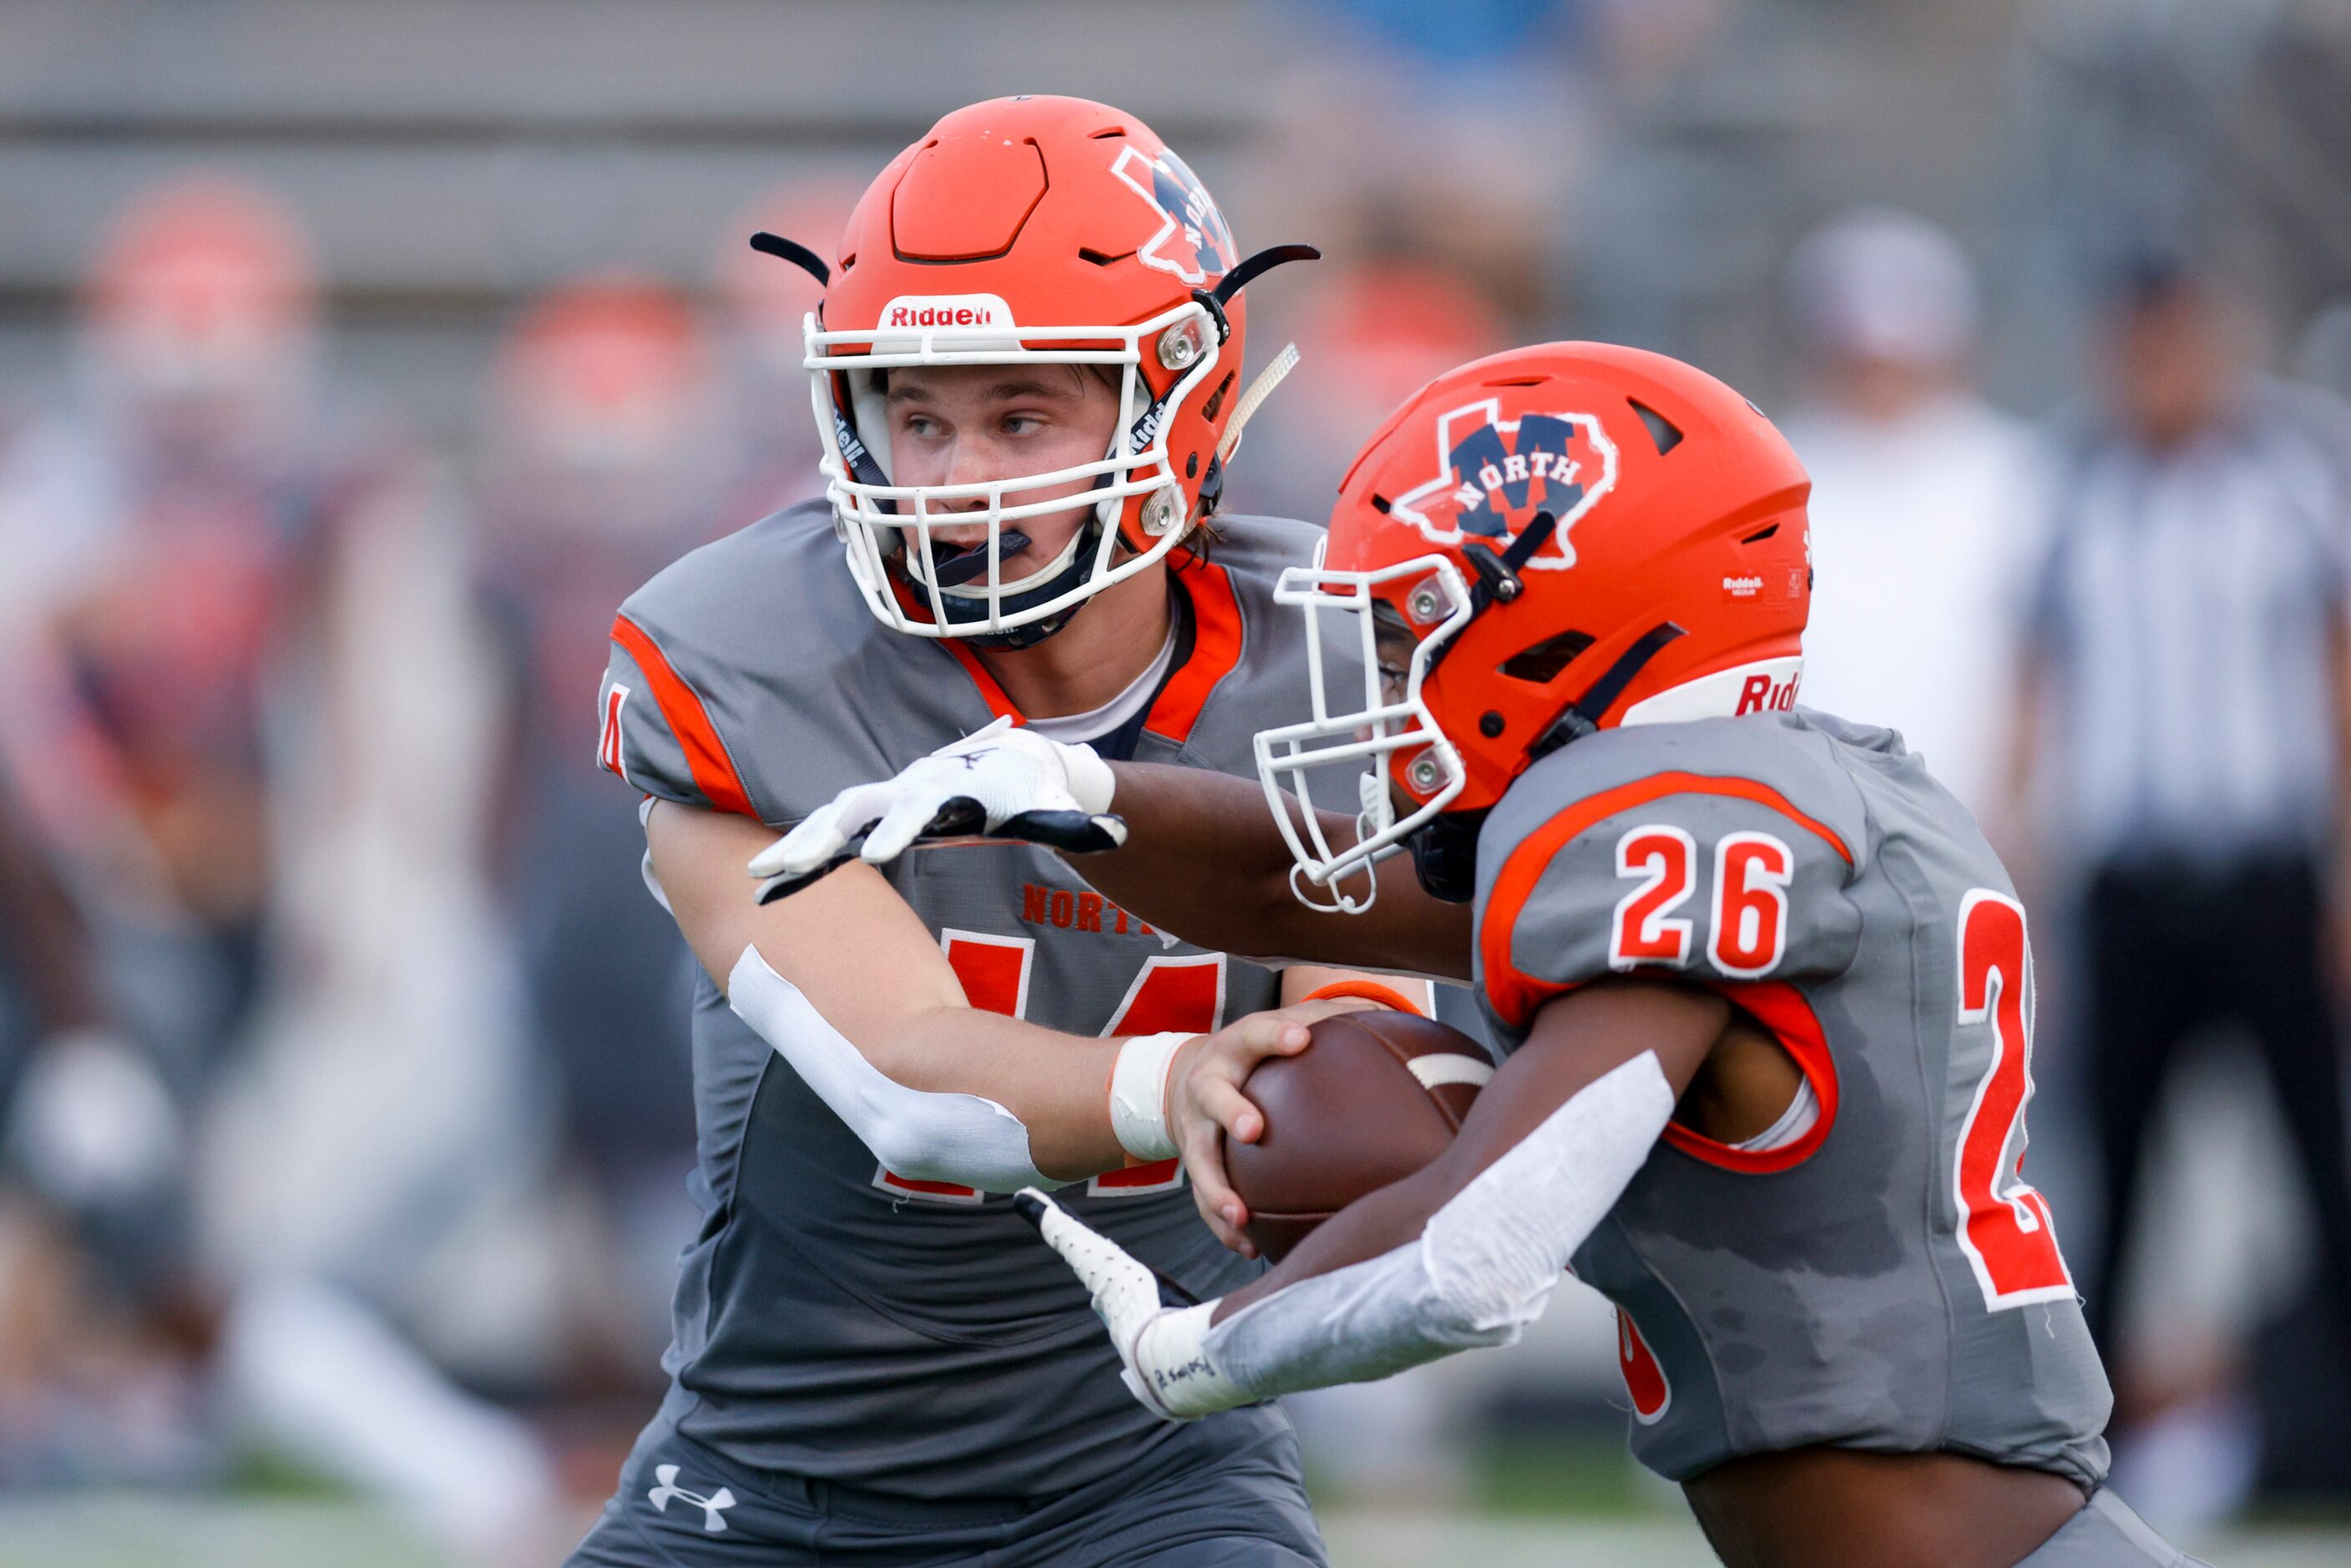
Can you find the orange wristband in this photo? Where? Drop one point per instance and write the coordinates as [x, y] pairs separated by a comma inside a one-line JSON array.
[[1369, 991]]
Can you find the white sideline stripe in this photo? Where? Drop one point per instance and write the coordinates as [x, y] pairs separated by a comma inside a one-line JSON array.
[[1441, 1067]]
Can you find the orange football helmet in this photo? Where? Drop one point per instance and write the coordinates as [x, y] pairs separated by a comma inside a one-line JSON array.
[[206, 286], [1569, 538], [1023, 231]]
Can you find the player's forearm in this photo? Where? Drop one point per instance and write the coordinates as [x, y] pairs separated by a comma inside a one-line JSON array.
[[848, 986], [1464, 1254], [1203, 859], [1092, 1105], [1472, 1268], [1054, 1083], [1568, 1065], [967, 1130], [1396, 1215]]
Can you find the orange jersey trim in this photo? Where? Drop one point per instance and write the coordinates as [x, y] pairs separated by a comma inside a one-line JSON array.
[[1515, 996], [1368, 990], [991, 691], [1781, 1009], [705, 754], [1215, 652]]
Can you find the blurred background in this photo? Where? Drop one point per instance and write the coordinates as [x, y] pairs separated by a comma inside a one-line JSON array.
[[357, 359]]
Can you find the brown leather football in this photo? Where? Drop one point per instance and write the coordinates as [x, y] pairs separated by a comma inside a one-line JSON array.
[[1377, 1095]]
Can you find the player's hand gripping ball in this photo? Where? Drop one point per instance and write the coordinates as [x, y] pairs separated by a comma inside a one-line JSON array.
[[1375, 1097]]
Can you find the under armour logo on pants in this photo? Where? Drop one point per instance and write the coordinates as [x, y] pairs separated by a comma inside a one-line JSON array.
[[712, 1506]]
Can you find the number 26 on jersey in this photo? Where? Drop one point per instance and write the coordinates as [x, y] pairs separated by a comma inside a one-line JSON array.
[[1748, 927]]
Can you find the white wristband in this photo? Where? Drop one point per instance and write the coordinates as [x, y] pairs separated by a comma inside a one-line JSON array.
[[1173, 1372], [1091, 782], [1138, 1094]]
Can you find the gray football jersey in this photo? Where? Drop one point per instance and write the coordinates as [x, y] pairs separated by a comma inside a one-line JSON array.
[[1887, 1280], [833, 1320]]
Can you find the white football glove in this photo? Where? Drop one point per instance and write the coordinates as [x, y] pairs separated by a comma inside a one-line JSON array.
[[1000, 782], [1155, 1323]]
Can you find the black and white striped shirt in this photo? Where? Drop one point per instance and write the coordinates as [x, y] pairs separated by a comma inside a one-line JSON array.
[[2185, 606]]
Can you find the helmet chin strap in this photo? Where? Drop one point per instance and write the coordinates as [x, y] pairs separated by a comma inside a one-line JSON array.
[[1583, 715], [961, 565], [1259, 391], [1444, 849], [1445, 856], [1059, 578]]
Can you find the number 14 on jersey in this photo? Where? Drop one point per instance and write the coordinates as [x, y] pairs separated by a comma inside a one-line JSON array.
[[1170, 995]]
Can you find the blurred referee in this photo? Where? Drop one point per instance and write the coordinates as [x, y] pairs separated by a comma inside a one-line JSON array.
[[2186, 666]]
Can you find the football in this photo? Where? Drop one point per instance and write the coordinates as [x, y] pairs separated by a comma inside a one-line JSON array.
[[1376, 1096]]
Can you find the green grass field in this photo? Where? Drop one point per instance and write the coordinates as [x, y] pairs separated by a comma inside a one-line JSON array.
[[1542, 1504], [107, 1531]]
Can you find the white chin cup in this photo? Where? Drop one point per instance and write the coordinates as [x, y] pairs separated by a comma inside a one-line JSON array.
[[875, 520], [1360, 738]]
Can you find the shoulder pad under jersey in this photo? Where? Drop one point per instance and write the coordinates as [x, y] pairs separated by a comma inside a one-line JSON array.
[[1718, 851], [749, 677]]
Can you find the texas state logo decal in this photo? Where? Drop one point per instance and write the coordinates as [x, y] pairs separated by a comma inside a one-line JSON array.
[[1192, 241], [1493, 474]]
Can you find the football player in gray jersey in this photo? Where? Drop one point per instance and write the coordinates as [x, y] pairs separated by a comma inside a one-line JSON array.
[[873, 1360], [1765, 990]]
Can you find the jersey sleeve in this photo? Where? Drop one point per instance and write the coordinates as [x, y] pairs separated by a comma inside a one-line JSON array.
[[654, 730], [1712, 872]]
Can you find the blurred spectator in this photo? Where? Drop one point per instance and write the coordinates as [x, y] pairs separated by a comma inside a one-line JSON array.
[[162, 529], [97, 1308], [1369, 335], [1449, 134], [2188, 680], [182, 545], [603, 468], [165, 531], [1918, 507], [2323, 357]]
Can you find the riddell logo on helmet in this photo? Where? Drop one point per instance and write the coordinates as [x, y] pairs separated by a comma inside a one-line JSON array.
[[947, 311], [1765, 686], [1762, 693], [1494, 474]]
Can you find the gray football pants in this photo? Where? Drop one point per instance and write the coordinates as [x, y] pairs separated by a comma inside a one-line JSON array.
[[2107, 1533], [1188, 1503]]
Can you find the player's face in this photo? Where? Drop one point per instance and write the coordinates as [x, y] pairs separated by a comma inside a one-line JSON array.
[[1394, 645], [973, 425]]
